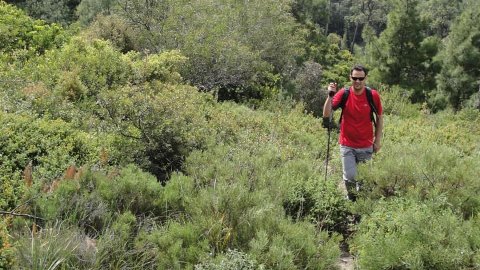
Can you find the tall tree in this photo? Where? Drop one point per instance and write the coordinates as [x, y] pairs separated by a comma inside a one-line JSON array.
[[398, 55], [230, 44], [367, 12], [87, 10], [314, 11], [459, 77], [439, 15], [57, 11]]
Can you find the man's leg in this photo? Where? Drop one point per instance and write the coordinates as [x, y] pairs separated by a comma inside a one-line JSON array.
[[362, 155], [349, 164]]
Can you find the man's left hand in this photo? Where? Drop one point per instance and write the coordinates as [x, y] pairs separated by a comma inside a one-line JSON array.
[[376, 146]]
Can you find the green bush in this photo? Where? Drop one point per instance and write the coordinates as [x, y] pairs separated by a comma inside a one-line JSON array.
[[132, 190], [56, 246], [231, 260], [49, 146], [289, 245], [175, 245], [116, 246], [425, 155], [396, 102], [404, 234], [6, 250], [319, 202], [138, 104], [156, 127], [22, 37], [95, 199], [242, 194], [458, 130], [76, 203]]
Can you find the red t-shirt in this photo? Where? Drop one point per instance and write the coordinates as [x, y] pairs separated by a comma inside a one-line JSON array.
[[356, 129]]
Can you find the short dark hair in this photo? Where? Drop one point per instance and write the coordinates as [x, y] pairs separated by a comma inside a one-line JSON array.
[[359, 68]]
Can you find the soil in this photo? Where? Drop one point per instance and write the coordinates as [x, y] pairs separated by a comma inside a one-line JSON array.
[[346, 261]]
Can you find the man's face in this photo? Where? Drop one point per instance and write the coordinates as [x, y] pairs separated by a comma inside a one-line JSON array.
[[358, 79]]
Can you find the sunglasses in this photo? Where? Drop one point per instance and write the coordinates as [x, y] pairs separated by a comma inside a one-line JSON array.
[[358, 78]]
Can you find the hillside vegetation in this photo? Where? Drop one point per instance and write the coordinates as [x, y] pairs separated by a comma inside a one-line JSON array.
[[186, 135]]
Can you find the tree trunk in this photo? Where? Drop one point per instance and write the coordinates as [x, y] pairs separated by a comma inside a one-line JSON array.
[[354, 37], [329, 17]]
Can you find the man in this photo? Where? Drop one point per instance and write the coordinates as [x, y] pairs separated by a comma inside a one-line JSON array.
[[358, 140]]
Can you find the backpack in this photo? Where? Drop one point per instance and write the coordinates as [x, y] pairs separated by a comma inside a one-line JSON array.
[[373, 109]]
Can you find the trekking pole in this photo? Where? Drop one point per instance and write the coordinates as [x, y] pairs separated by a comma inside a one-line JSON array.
[[329, 128]]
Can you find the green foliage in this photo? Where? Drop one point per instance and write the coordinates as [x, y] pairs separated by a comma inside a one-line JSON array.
[[175, 245], [120, 208], [396, 103], [92, 200], [321, 203], [50, 147], [439, 15], [411, 235], [159, 125], [460, 58], [236, 183], [115, 29], [424, 159], [335, 62], [115, 245], [132, 190], [53, 247], [88, 10], [231, 260], [231, 46], [73, 202], [140, 99], [311, 11], [293, 246], [6, 251], [401, 55], [308, 81], [174, 180], [56, 11], [22, 37]]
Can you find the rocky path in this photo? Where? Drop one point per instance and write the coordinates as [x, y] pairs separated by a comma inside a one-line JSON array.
[[346, 261]]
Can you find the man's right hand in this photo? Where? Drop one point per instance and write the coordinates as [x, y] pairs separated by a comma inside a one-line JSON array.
[[332, 89]]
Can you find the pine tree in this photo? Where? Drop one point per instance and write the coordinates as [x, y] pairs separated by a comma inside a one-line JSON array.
[[401, 55], [459, 77]]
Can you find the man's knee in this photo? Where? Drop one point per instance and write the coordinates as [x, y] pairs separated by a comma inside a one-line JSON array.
[[349, 176]]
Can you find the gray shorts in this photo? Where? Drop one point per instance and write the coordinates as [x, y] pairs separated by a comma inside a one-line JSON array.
[[350, 158]]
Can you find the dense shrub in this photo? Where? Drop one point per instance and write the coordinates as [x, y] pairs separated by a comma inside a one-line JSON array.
[[118, 209], [175, 245], [423, 159], [76, 202], [225, 41], [138, 104], [132, 190], [56, 246], [404, 234], [116, 245], [245, 181], [22, 37], [396, 102], [156, 126], [231, 260], [458, 130], [6, 250], [94, 199], [43, 148]]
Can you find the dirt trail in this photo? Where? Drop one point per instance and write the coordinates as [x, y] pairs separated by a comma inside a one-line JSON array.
[[346, 261]]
